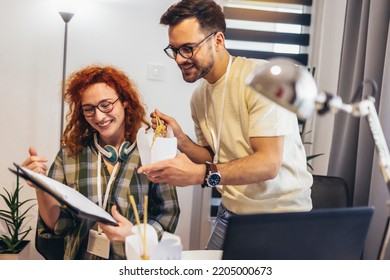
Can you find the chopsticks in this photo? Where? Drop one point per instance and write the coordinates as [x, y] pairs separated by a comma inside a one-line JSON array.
[[144, 255]]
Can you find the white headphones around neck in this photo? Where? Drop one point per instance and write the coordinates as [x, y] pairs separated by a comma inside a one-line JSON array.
[[111, 154]]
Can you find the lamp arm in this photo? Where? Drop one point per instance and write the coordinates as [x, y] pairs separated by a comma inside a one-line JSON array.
[[384, 163], [366, 108], [379, 139]]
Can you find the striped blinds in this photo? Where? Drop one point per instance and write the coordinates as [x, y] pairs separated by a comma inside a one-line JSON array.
[[266, 29]]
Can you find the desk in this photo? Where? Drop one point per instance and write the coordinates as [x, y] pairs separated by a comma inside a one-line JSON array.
[[201, 255]]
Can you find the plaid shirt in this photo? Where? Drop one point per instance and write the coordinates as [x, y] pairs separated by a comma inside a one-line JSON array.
[[80, 173]]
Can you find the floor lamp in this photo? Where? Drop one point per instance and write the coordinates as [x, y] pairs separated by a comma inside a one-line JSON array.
[[66, 18]]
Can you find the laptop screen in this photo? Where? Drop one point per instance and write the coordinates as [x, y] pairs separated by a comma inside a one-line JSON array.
[[328, 234]]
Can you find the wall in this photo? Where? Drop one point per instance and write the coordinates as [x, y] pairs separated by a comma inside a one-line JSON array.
[[126, 34], [326, 52]]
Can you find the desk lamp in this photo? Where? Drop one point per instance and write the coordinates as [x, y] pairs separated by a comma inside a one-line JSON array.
[[290, 85]]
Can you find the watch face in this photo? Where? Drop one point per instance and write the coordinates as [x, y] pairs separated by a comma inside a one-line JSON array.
[[214, 179]]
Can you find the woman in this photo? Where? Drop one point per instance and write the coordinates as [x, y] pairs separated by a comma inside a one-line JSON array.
[[99, 159]]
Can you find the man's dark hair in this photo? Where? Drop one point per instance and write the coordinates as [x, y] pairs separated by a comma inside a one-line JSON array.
[[208, 13]]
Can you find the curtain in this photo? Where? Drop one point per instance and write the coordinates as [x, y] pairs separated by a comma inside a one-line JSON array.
[[379, 191], [352, 155]]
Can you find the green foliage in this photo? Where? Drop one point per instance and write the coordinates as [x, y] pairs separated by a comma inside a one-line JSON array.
[[11, 241], [308, 158]]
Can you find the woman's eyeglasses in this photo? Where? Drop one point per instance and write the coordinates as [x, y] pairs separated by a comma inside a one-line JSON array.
[[104, 106]]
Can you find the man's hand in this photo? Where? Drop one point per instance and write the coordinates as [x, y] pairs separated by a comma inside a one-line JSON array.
[[180, 171], [168, 121]]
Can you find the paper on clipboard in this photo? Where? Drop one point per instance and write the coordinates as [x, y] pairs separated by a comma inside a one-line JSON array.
[[66, 195]]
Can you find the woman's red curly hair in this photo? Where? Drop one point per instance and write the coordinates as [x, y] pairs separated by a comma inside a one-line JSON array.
[[78, 133]]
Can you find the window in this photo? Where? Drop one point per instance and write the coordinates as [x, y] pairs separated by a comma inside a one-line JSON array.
[[266, 29]]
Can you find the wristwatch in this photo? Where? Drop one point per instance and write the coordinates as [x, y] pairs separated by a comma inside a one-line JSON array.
[[212, 176]]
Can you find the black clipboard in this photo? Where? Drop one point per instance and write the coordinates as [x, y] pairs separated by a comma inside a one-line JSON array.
[[67, 196]]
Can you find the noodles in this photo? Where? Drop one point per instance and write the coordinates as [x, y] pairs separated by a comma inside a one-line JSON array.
[[159, 131]]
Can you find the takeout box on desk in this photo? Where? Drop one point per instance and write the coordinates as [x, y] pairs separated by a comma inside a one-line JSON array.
[[143, 243]]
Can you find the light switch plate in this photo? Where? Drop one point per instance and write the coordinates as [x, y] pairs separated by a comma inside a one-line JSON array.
[[155, 72]]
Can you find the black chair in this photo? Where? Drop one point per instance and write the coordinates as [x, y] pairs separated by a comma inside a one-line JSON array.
[[329, 192]]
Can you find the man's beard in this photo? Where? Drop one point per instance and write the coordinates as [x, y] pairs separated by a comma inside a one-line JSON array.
[[200, 73]]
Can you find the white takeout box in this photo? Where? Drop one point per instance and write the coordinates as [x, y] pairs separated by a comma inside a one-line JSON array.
[[169, 247], [163, 147]]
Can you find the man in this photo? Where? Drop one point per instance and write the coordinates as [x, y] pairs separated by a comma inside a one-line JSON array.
[[248, 146]]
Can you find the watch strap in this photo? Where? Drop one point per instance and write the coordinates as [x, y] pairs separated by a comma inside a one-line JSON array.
[[213, 167], [204, 185]]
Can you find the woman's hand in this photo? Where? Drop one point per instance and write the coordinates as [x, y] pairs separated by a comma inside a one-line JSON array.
[[120, 232], [35, 163], [48, 206]]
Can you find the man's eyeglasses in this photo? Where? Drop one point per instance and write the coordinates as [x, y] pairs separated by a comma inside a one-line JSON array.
[[185, 51], [104, 106]]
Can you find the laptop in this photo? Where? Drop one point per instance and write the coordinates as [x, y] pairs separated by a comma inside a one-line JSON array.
[[323, 234]]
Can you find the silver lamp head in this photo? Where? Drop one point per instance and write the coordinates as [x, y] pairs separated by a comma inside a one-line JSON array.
[[286, 83]]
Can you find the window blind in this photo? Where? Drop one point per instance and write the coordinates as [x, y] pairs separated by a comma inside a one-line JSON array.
[[266, 29]]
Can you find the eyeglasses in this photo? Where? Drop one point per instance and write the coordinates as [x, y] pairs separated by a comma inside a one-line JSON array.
[[185, 51], [104, 106]]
